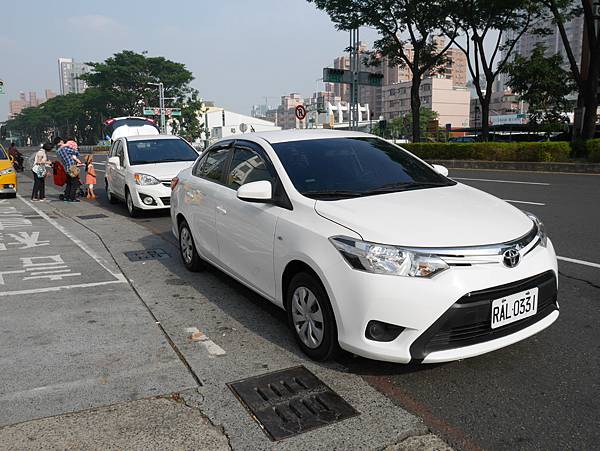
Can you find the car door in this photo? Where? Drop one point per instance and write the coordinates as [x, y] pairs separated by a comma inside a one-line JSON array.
[[200, 199], [246, 230], [115, 174]]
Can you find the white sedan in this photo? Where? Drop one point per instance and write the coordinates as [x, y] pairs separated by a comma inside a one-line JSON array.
[[366, 247], [139, 170]]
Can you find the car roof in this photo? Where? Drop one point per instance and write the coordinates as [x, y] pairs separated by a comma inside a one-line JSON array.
[[280, 136], [147, 137]]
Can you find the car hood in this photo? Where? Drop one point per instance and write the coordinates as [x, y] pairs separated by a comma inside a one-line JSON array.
[[435, 217], [162, 171]]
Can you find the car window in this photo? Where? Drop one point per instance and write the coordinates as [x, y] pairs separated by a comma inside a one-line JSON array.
[[346, 167], [149, 151], [247, 166], [113, 149], [213, 164], [3, 154], [120, 153]]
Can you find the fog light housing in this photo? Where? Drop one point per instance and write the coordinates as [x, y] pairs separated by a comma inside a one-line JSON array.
[[147, 200], [380, 331]]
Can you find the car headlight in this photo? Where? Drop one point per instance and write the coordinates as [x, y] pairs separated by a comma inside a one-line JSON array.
[[7, 171], [386, 259], [540, 228], [145, 179]]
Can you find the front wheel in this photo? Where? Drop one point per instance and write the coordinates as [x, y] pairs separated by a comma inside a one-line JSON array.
[[311, 317], [187, 248], [131, 208]]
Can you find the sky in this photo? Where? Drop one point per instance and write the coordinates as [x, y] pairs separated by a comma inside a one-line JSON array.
[[238, 50]]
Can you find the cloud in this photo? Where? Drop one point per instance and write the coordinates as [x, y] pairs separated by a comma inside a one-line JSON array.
[[96, 24]]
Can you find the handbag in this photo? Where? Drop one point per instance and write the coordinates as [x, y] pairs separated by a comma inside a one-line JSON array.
[[74, 171], [39, 170]]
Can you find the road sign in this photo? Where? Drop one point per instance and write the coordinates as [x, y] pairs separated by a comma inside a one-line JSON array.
[[154, 111], [300, 112], [1, 86], [345, 76]]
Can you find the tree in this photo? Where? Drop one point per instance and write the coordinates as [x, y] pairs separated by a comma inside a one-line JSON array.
[[188, 125], [542, 83], [407, 29], [489, 31], [123, 81], [587, 74], [402, 126]]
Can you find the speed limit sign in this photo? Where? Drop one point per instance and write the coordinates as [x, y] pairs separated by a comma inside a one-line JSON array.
[[300, 112]]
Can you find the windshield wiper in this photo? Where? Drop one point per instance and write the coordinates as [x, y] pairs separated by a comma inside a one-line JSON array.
[[397, 187], [334, 194]]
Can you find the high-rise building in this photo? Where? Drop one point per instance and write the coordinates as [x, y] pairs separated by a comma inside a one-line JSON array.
[[552, 42], [33, 100], [437, 93], [49, 94], [69, 73], [15, 107]]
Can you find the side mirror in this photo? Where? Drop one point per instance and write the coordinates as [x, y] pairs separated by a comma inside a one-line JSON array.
[[115, 161], [260, 191], [440, 169]]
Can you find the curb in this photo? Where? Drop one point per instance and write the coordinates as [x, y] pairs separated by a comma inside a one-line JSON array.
[[575, 168]]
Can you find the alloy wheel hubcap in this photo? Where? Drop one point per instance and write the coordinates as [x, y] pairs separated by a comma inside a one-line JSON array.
[[186, 245], [307, 317]]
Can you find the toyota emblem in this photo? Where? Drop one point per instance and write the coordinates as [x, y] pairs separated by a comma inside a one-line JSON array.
[[511, 258]]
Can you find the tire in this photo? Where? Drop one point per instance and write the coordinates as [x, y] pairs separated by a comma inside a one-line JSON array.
[[111, 199], [306, 292], [187, 249], [133, 211]]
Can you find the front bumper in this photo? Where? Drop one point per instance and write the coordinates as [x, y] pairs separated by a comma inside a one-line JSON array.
[[160, 194], [440, 322], [8, 183]]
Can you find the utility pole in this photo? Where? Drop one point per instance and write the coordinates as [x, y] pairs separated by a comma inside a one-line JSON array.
[[161, 105], [354, 85]]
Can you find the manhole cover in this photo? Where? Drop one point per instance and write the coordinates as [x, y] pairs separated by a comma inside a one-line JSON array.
[[98, 216], [147, 254], [290, 402]]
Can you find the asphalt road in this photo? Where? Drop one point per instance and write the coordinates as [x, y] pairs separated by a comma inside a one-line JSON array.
[[538, 394]]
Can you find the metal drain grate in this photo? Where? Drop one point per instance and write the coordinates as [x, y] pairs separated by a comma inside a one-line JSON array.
[[86, 217], [290, 402], [148, 254]]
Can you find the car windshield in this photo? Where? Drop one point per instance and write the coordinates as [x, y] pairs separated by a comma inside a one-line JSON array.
[[159, 151], [3, 154], [337, 168]]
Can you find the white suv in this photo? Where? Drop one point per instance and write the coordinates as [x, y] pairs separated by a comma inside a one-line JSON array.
[[140, 168]]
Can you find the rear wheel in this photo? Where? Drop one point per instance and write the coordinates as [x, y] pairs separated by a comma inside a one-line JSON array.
[[131, 208], [311, 317], [187, 248], [111, 198]]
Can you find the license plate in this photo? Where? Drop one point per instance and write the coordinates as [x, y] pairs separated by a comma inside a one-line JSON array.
[[514, 307]]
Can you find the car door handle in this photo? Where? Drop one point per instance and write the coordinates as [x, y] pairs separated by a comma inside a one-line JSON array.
[[221, 210]]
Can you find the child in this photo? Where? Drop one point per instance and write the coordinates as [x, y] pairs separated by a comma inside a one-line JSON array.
[[90, 177]]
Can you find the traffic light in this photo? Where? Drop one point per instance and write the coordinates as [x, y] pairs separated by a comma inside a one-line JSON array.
[[1, 86]]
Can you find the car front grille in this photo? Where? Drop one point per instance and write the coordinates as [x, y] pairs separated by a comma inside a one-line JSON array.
[[468, 320], [166, 200]]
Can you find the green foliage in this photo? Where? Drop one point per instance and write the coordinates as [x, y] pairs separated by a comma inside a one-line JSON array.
[[492, 151], [123, 81], [188, 125], [117, 87], [402, 126], [407, 29], [542, 83], [593, 150]]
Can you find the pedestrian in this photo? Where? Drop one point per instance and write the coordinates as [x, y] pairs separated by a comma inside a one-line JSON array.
[[90, 177], [16, 156], [70, 158], [40, 170]]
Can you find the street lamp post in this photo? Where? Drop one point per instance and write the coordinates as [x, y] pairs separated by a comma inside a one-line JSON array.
[[161, 105]]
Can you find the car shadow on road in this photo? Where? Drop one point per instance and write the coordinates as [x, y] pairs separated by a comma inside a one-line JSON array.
[[262, 317]]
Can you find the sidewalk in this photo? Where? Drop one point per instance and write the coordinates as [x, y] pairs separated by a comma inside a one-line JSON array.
[[191, 406]]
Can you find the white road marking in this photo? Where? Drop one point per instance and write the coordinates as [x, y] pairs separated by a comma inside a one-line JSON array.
[[579, 262], [523, 202], [63, 287], [98, 163], [500, 181], [84, 247]]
